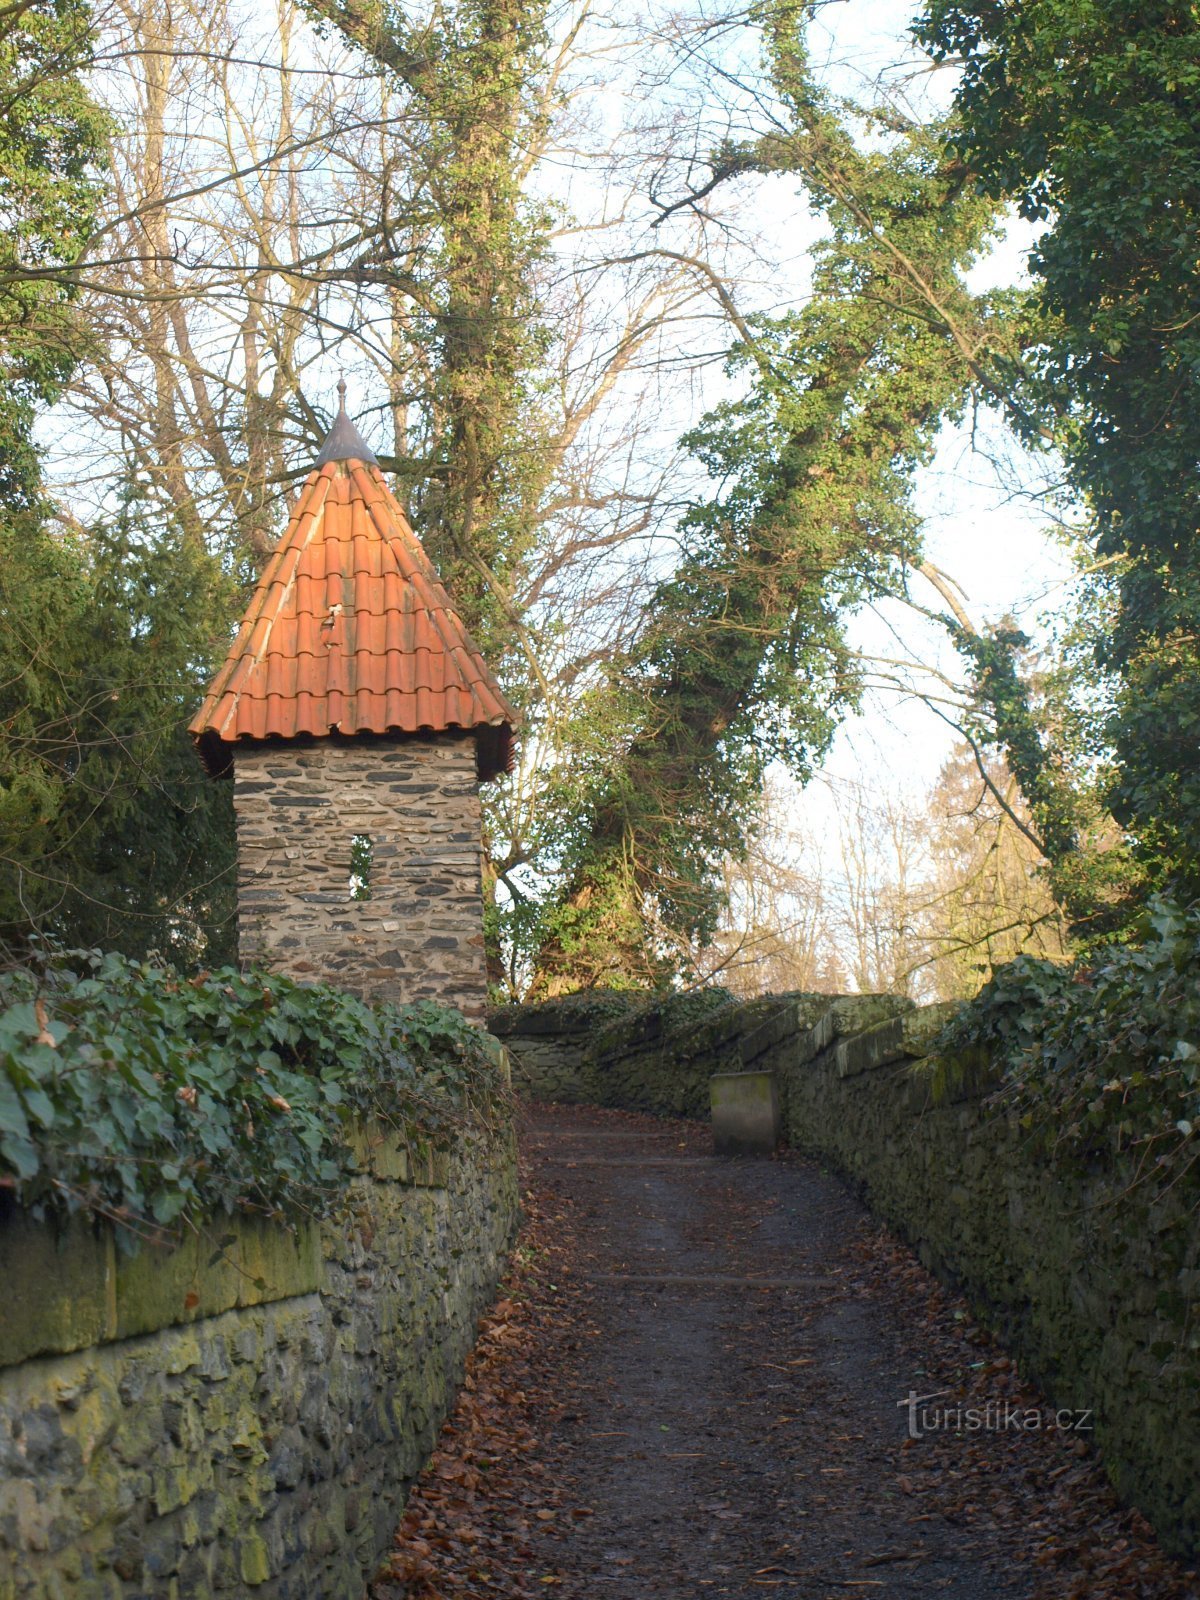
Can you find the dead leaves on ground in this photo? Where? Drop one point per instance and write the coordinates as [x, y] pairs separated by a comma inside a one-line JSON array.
[[465, 1533], [1043, 1493], [491, 1504]]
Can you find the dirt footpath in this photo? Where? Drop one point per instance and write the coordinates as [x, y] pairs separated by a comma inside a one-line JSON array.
[[698, 1385]]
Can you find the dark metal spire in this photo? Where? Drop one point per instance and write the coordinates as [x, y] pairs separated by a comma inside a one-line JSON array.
[[343, 442]]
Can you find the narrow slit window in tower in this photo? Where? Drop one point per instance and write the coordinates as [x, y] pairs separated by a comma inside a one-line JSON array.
[[362, 854]]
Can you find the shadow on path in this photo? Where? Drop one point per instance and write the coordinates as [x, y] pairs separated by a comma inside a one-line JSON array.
[[711, 1379], [741, 1403]]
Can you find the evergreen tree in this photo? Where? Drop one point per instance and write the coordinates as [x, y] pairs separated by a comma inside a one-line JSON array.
[[109, 832], [50, 138], [1089, 116], [112, 833]]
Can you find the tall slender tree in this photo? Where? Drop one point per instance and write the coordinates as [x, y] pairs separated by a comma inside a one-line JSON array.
[[51, 136], [1088, 117], [744, 660]]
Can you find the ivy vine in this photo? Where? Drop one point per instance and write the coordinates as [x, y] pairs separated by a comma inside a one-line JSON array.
[[153, 1099], [1102, 1056]]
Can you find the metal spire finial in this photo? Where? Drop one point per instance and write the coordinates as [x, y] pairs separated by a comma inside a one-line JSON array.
[[344, 442]]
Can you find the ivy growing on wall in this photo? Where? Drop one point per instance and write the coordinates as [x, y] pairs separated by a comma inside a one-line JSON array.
[[152, 1099], [1103, 1056]]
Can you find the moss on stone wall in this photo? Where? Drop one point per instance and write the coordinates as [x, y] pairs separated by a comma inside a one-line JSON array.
[[267, 1448], [548, 1044]]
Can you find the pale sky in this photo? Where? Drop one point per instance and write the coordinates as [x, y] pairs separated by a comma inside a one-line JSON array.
[[984, 524]]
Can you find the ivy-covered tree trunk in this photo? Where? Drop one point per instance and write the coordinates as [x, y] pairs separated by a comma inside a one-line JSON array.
[[744, 660], [1089, 117], [471, 76], [487, 322]]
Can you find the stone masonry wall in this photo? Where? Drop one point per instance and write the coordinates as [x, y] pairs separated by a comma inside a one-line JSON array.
[[246, 1415], [616, 1049], [299, 808], [1093, 1287], [550, 1046]]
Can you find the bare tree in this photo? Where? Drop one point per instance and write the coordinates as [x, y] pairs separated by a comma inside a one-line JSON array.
[[285, 202], [987, 898], [778, 932]]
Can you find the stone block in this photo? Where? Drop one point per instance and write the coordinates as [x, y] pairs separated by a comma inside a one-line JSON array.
[[879, 1046], [75, 1273], [95, 1293], [922, 1026], [745, 1113], [847, 1015], [627, 1033], [785, 1018], [712, 1034]]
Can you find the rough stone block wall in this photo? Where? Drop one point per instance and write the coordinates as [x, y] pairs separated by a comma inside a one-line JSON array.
[[266, 1449], [549, 1045], [299, 809], [638, 1053], [1094, 1287], [1090, 1284]]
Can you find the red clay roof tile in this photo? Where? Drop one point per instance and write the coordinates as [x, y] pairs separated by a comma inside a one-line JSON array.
[[350, 631]]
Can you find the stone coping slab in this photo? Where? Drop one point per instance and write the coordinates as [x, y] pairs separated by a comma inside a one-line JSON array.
[[67, 1288], [846, 1016]]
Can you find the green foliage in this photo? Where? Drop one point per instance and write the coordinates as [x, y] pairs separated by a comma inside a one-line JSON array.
[[680, 1012], [51, 136], [1089, 869], [1089, 116], [474, 78], [149, 1098], [1103, 1055], [362, 857], [999, 685], [110, 831], [744, 659]]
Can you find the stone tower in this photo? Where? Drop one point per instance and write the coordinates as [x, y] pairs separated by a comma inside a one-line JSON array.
[[357, 720]]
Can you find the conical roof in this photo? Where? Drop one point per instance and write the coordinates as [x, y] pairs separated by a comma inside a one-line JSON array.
[[350, 631]]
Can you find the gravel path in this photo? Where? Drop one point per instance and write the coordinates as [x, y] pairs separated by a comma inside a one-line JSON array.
[[694, 1386], [738, 1428]]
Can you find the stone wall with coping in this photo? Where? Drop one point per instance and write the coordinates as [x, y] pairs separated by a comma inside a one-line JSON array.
[[1091, 1284], [244, 1414], [550, 1045], [299, 809], [635, 1054]]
